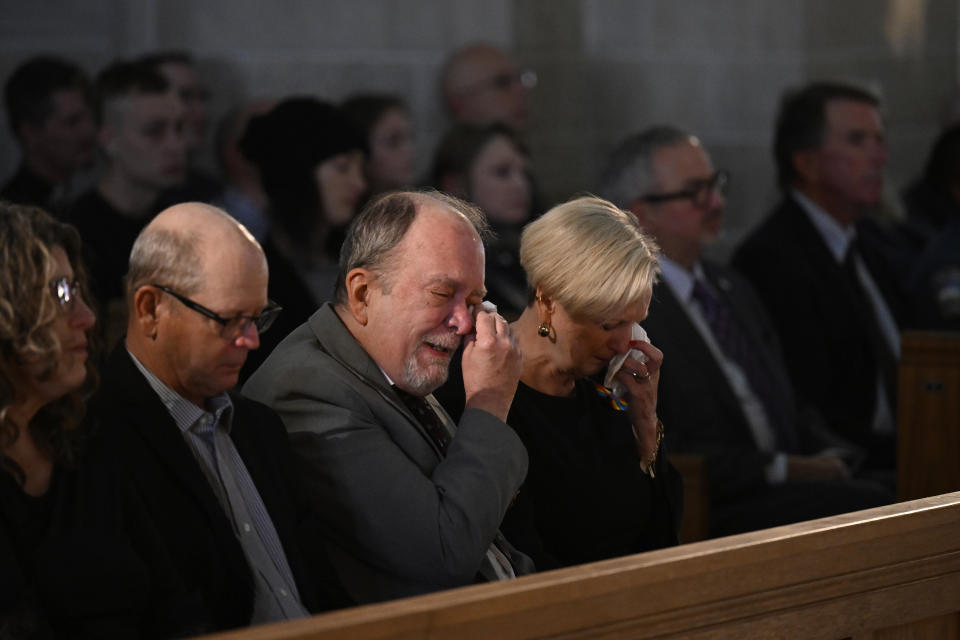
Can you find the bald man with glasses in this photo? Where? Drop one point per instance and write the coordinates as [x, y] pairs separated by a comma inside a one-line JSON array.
[[724, 387], [481, 85], [214, 468]]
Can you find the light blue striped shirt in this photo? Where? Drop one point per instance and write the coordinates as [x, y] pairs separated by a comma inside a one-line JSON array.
[[207, 434]]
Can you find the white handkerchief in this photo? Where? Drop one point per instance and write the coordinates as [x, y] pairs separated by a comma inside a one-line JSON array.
[[639, 333]]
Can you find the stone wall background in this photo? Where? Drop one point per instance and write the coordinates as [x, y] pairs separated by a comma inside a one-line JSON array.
[[606, 67]]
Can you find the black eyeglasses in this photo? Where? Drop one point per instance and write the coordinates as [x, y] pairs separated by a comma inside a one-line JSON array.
[[66, 292], [698, 193], [232, 327]]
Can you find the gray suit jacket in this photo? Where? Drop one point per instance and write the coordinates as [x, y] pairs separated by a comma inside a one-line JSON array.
[[401, 518]]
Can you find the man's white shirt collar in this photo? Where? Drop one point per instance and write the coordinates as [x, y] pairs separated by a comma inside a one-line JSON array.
[[835, 236], [679, 278]]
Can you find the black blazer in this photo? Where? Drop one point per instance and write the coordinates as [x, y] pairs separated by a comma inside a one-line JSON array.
[[822, 326], [696, 402], [90, 564], [137, 432]]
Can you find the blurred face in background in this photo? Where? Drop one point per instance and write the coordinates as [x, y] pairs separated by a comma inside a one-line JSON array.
[[341, 182], [392, 154], [486, 86], [142, 136], [499, 182], [691, 219], [845, 173], [65, 141], [193, 96]]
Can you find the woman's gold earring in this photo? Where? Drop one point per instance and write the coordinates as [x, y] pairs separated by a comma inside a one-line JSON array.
[[543, 330]]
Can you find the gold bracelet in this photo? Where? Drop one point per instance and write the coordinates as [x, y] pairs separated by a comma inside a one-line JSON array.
[[647, 466]]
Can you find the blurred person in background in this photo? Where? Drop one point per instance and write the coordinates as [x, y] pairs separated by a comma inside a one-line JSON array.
[[481, 85], [490, 167], [140, 138], [310, 158], [50, 112], [180, 70], [385, 121], [243, 195]]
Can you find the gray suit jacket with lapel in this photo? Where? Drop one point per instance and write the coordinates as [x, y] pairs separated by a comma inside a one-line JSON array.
[[401, 518]]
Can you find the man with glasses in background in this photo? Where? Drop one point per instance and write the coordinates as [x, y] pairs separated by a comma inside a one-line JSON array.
[[724, 389], [214, 469], [481, 85]]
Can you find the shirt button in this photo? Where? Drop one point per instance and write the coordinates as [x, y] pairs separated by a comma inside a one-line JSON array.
[[246, 527], [283, 592]]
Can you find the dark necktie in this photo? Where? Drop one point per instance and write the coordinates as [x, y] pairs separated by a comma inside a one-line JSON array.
[[434, 426], [427, 418], [882, 353], [735, 344]]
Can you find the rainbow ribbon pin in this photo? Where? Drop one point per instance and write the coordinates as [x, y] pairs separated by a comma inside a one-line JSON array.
[[615, 402]]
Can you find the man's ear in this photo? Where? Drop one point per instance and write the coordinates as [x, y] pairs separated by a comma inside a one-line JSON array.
[[359, 282], [645, 214], [806, 164], [146, 313]]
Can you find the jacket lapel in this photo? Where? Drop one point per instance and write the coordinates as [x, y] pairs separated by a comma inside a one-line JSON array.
[[668, 312], [334, 339], [156, 428]]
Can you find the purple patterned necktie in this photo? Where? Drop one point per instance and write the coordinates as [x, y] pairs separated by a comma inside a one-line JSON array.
[[735, 344]]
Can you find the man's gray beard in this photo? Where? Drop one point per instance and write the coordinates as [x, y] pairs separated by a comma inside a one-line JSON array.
[[418, 382]]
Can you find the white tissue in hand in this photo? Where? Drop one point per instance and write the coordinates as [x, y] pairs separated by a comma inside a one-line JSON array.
[[638, 333]]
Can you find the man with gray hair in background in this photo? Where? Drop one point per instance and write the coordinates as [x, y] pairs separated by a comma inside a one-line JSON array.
[[411, 501], [214, 468], [724, 389]]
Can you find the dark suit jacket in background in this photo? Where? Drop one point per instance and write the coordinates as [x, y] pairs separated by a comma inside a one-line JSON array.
[[820, 322], [405, 519], [696, 401], [703, 415], [138, 433]]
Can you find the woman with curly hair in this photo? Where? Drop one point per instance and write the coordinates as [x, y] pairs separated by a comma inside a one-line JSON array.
[[44, 327], [68, 561]]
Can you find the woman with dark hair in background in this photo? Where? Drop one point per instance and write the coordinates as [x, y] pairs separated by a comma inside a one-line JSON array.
[[310, 158], [490, 167], [69, 564], [385, 121]]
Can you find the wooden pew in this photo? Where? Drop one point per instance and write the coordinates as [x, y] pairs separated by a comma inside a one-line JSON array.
[[886, 573], [928, 444], [695, 525]]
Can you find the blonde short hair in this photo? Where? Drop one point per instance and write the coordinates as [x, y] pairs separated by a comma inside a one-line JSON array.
[[590, 256]]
